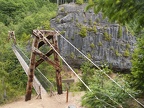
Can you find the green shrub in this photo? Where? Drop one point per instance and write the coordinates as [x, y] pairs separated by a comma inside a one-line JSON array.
[[126, 53], [95, 23], [92, 45], [100, 44], [120, 32], [72, 55], [62, 32], [117, 53], [80, 2], [83, 31], [90, 22], [93, 29], [127, 45], [62, 9], [108, 95], [111, 48], [107, 37], [89, 55], [72, 38]]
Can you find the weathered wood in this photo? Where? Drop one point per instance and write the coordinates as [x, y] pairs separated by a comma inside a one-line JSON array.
[[41, 60], [40, 35], [12, 36], [44, 57], [31, 70], [67, 80], [56, 59]]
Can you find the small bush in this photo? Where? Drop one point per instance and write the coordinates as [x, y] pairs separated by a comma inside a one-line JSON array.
[[62, 9], [83, 31], [80, 2], [120, 32], [127, 45], [100, 44], [72, 55], [107, 37], [93, 29], [89, 56], [126, 53], [92, 45], [111, 48], [117, 53]]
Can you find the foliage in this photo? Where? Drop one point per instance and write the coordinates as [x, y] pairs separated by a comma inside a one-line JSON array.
[[119, 32], [79, 2], [136, 77], [87, 72], [22, 16], [83, 31], [117, 53], [129, 13], [126, 53], [93, 29], [107, 37], [100, 44], [120, 11], [107, 92], [92, 45]]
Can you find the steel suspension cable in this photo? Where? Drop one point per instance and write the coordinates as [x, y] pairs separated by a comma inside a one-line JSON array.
[[78, 75], [101, 70]]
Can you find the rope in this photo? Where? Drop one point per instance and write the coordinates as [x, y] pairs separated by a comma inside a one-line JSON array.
[[102, 71], [77, 75]]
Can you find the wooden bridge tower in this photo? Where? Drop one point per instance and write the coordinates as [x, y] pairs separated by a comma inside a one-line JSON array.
[[42, 37]]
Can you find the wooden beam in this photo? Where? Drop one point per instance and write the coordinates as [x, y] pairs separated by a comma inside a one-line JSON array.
[[31, 71], [44, 57], [58, 74], [68, 80], [40, 35], [41, 60]]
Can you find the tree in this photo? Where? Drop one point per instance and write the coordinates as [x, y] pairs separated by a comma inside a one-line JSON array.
[[137, 74], [122, 11], [127, 12], [107, 92]]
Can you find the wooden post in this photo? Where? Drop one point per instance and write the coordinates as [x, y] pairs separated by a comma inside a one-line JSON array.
[[58, 74], [39, 95], [67, 93], [67, 81], [31, 70]]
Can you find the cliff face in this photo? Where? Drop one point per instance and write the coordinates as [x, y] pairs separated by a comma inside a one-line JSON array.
[[101, 41]]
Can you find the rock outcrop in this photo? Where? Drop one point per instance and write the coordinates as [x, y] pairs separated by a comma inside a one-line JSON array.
[[103, 42]]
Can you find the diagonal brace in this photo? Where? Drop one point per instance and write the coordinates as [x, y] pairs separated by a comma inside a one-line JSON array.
[[44, 57], [41, 60]]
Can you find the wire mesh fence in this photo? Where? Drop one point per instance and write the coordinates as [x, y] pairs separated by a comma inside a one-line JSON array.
[[47, 85]]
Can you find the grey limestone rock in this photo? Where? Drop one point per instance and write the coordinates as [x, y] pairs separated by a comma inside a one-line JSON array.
[[104, 42]]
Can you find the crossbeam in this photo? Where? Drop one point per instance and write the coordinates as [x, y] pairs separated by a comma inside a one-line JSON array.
[[42, 37]]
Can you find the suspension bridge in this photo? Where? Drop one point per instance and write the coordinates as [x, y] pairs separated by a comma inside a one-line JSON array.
[[49, 38]]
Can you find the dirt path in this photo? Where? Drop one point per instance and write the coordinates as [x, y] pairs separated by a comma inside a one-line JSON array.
[[56, 101]]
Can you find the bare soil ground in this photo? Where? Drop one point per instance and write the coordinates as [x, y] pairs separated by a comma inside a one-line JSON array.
[[56, 101]]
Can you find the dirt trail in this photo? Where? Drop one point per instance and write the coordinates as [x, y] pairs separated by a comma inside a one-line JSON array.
[[56, 101]]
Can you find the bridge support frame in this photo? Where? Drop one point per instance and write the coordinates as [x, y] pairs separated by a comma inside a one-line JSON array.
[[42, 37]]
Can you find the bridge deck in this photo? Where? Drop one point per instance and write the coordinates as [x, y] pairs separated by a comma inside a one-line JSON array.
[[24, 65]]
